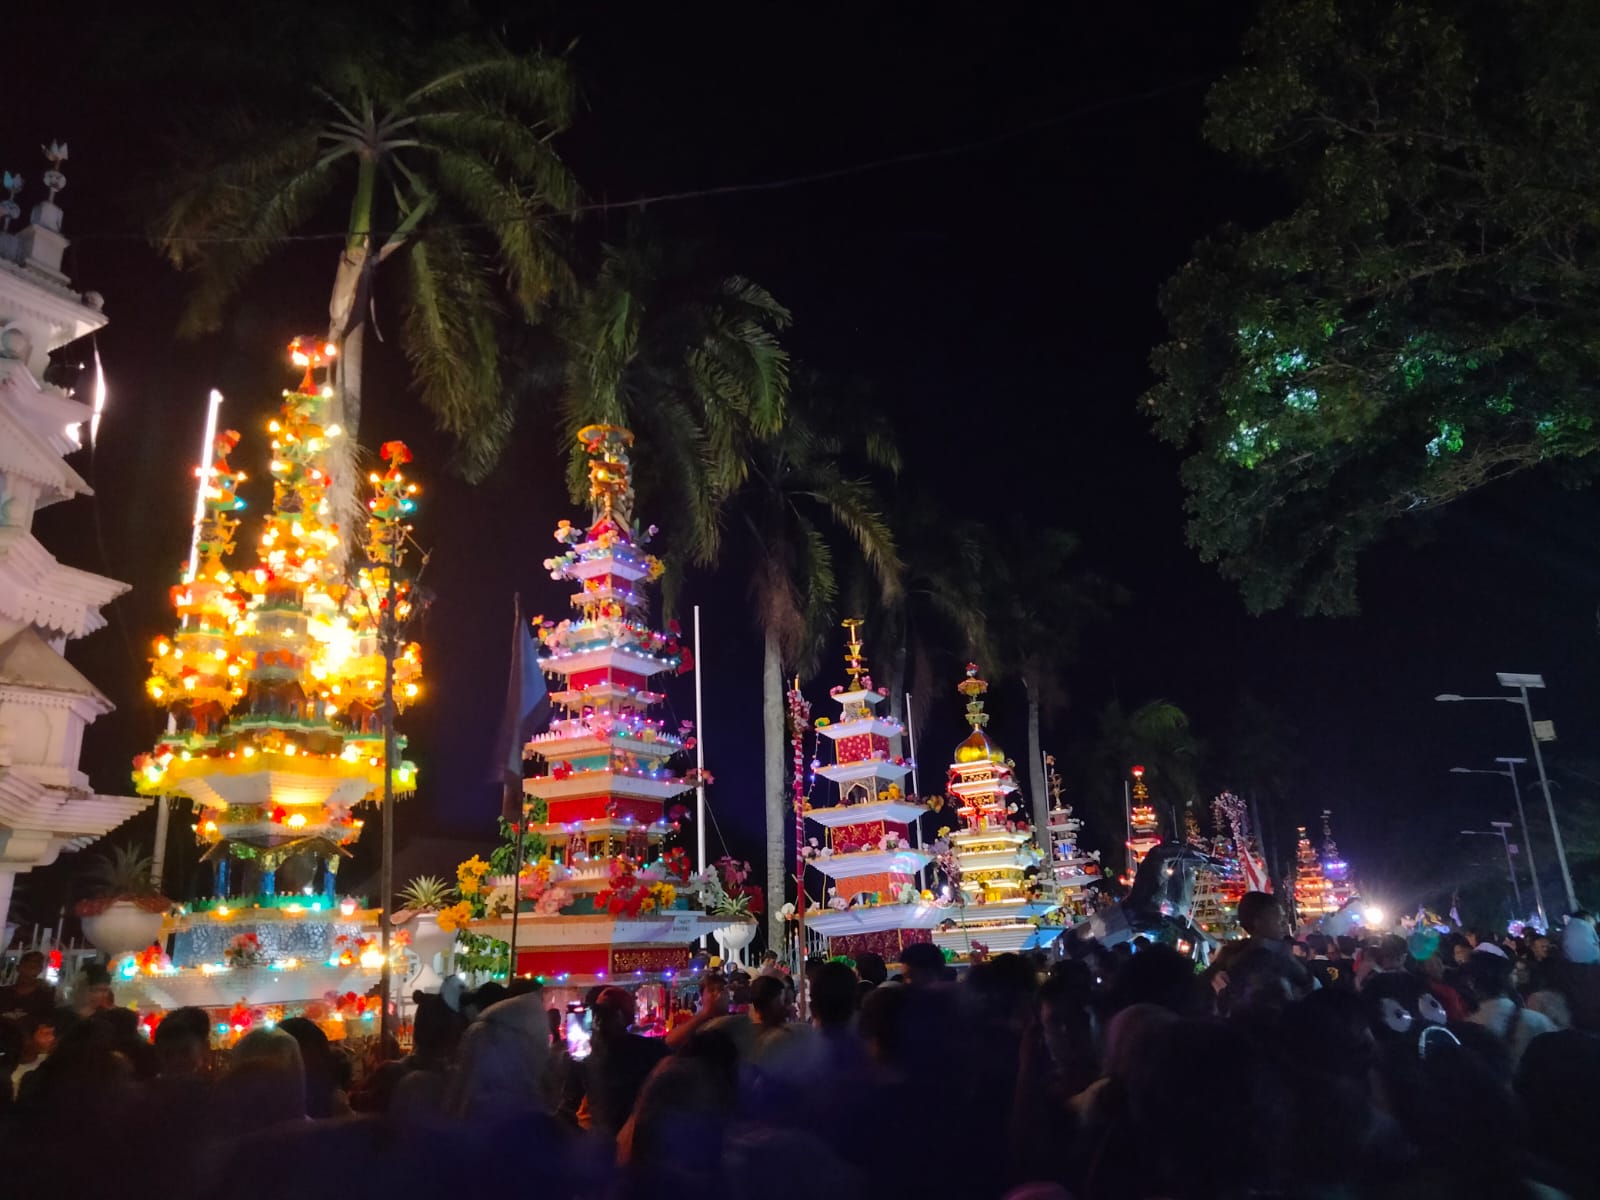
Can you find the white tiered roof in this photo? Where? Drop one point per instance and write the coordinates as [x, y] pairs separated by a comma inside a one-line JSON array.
[[46, 804]]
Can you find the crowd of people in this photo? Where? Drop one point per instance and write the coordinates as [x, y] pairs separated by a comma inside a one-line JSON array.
[[1431, 1065]]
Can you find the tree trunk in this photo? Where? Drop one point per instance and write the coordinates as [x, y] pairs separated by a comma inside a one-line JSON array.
[[346, 331], [777, 808], [1038, 785]]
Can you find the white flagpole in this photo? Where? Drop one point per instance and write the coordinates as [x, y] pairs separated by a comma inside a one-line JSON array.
[[204, 474], [158, 859], [911, 744], [699, 752]]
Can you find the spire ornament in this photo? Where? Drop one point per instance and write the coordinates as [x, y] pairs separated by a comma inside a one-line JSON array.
[[55, 154]]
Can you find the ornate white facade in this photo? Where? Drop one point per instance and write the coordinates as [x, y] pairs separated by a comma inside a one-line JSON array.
[[46, 802]]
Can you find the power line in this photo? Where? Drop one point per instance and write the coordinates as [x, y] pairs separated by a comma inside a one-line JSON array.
[[731, 189]]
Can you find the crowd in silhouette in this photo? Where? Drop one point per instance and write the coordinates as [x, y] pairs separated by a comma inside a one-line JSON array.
[[1432, 1065]]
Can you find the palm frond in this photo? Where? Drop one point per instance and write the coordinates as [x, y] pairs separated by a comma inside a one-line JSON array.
[[852, 502]]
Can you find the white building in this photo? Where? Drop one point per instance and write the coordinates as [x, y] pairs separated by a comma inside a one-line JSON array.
[[46, 803]]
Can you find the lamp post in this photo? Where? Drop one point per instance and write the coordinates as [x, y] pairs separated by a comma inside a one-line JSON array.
[[1510, 773], [1522, 683], [1499, 831]]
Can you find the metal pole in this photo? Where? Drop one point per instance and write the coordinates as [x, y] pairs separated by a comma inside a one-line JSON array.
[[516, 878], [391, 636], [1127, 812], [699, 752], [1511, 870], [1544, 782], [911, 744], [1527, 846]]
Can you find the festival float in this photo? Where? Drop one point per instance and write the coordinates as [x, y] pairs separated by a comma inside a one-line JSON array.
[[867, 852], [990, 865], [1144, 828], [1073, 869], [1342, 887], [274, 685], [599, 898], [1313, 890], [1219, 884]]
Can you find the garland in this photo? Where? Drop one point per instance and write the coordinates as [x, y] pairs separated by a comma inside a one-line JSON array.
[[799, 722]]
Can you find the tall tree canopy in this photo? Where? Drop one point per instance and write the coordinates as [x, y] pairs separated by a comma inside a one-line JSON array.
[[1421, 323], [438, 157]]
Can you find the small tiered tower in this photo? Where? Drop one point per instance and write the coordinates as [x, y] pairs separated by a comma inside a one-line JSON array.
[[1072, 867], [603, 776], [1002, 904], [874, 902], [47, 803], [1143, 826], [1311, 887], [1341, 887]]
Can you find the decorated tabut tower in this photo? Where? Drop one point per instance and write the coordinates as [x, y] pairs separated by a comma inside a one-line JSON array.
[[273, 682], [1003, 903], [1072, 868], [599, 900], [1313, 892], [867, 851], [1144, 828], [47, 803]]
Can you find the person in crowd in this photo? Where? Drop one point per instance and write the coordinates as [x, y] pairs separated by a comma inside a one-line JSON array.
[[30, 998], [1499, 1009], [1577, 975], [714, 1001], [499, 1074], [620, 1061], [327, 1074], [924, 964]]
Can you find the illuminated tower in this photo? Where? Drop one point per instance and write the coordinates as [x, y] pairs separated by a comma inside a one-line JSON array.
[[1003, 904], [1072, 867], [1143, 826], [273, 681], [1312, 892], [867, 853], [611, 905], [1341, 887]]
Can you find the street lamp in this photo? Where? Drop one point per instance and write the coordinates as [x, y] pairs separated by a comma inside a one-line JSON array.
[[1522, 683], [1499, 831], [1511, 765]]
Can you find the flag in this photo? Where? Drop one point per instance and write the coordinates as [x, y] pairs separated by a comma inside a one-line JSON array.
[[1256, 878], [527, 709]]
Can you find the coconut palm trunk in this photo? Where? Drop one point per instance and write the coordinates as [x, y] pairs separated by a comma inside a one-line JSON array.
[[777, 810]]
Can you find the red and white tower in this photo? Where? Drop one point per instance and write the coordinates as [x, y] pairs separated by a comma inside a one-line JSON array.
[[867, 850]]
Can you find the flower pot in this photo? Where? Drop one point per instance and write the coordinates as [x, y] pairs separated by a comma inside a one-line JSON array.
[[123, 928], [732, 940], [429, 942]]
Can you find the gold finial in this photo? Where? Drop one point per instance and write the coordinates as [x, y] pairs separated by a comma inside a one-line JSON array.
[[1053, 778], [610, 484], [854, 664], [973, 689]]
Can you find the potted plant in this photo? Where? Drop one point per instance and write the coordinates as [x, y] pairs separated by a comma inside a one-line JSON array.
[[727, 894], [424, 897], [124, 911]]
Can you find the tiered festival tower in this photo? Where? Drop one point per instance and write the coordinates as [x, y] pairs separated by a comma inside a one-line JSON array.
[[1143, 825], [1002, 902], [1072, 868], [274, 680], [1313, 891], [867, 852], [619, 909], [1341, 887]]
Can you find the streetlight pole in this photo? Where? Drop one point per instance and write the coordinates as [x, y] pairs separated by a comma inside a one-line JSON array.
[[1510, 773], [1499, 831], [1522, 683]]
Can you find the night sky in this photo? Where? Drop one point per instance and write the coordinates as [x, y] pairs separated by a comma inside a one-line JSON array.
[[1001, 302]]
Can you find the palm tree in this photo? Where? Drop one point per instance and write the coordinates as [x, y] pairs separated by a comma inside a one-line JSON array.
[[796, 513], [1039, 603], [1156, 736], [692, 364], [444, 163]]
